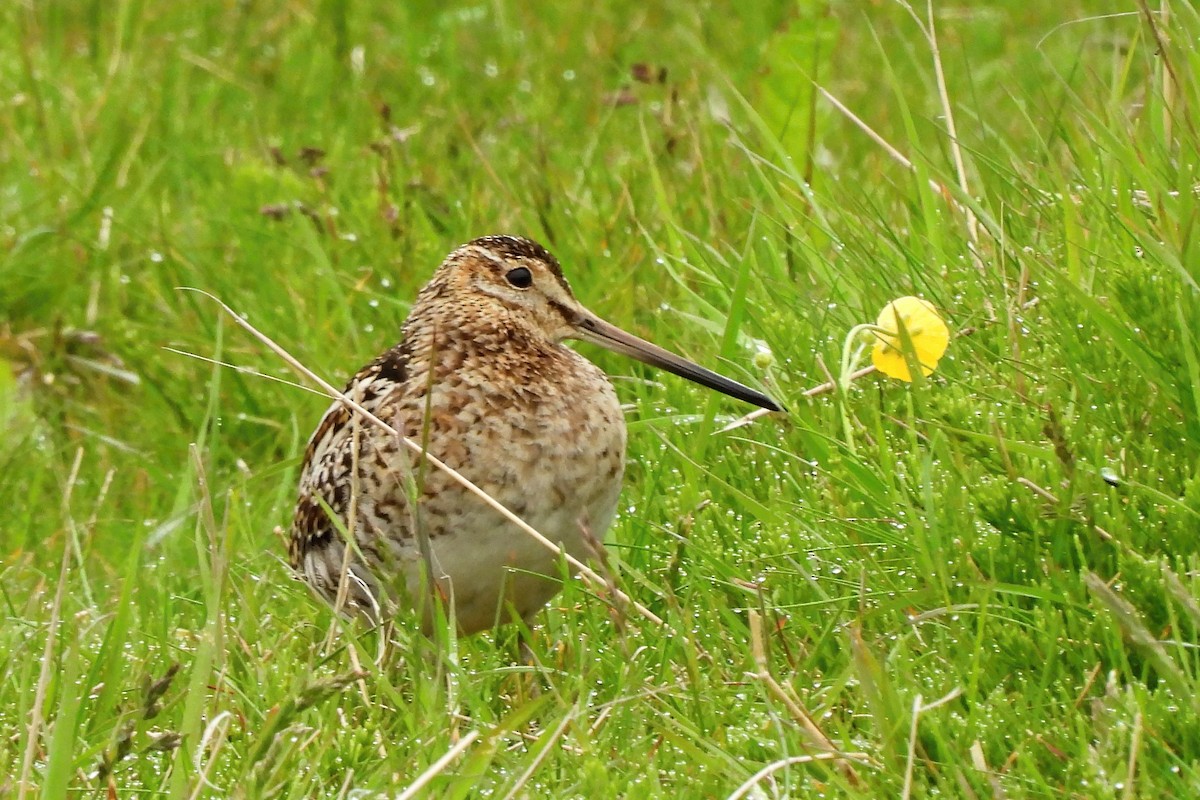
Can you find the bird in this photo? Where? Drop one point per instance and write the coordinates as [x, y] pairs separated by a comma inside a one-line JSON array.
[[482, 379]]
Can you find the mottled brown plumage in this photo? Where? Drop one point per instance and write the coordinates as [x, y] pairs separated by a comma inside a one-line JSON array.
[[482, 379]]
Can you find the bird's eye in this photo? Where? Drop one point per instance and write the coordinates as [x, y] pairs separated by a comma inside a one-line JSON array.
[[520, 277]]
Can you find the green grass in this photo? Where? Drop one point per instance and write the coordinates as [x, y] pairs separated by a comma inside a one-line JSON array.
[[1016, 534]]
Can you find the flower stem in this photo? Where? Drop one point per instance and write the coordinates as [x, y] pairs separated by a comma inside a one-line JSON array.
[[852, 350]]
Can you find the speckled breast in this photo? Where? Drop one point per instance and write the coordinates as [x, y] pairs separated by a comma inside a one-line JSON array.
[[552, 452]]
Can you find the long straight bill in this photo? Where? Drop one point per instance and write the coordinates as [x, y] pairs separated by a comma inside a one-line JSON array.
[[595, 330]]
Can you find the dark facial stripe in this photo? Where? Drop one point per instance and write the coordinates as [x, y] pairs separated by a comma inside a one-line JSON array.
[[565, 311]]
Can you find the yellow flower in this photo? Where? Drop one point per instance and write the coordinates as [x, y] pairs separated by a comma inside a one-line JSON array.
[[925, 329]]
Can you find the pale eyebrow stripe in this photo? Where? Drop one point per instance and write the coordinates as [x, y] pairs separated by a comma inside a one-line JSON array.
[[489, 255]]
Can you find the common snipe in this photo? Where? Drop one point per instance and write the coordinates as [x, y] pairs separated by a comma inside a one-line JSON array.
[[481, 377]]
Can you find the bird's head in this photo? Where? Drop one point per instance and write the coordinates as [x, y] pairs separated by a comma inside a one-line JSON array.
[[519, 282]]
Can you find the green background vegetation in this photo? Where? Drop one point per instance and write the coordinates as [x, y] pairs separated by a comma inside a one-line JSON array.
[[1016, 534]]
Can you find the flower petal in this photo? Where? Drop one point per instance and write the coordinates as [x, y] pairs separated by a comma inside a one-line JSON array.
[[890, 362], [928, 333]]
